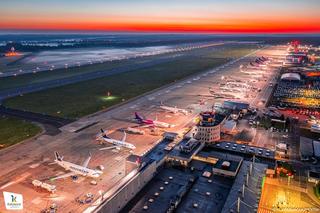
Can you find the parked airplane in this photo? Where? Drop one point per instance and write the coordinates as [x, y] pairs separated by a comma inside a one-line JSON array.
[[117, 143], [238, 84], [229, 88], [75, 169], [225, 94], [253, 65], [152, 123], [174, 109], [253, 72]]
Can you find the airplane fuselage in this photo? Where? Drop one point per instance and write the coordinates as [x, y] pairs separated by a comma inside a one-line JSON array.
[[80, 170], [162, 124], [150, 122], [174, 109], [119, 143], [156, 123]]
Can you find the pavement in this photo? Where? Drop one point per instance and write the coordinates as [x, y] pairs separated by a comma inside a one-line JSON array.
[[27, 161], [282, 195]]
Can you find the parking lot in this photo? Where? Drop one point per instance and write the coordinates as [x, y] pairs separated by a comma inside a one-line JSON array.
[[299, 91], [245, 149]]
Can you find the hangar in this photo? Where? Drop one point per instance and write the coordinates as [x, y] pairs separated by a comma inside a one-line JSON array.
[[291, 76]]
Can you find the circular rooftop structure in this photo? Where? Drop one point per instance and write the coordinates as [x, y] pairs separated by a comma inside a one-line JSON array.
[[291, 76], [225, 164]]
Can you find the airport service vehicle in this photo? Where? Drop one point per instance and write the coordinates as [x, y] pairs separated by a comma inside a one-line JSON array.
[[151, 123], [117, 143], [75, 169], [174, 109], [135, 131], [48, 187]]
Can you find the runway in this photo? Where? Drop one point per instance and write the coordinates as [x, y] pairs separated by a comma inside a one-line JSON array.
[[139, 63]]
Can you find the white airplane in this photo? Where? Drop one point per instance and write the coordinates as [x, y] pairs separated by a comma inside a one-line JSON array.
[[237, 84], [174, 109], [117, 143], [151, 123], [226, 94], [75, 169], [232, 89], [253, 72]]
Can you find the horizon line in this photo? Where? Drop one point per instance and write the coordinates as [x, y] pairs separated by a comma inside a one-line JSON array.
[[30, 31]]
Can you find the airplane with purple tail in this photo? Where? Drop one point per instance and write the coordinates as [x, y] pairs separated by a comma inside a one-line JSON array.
[[151, 123]]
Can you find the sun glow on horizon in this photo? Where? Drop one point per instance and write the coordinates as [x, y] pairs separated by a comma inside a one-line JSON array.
[[234, 16]]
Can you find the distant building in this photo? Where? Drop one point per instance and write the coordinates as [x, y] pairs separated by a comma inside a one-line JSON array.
[[170, 135], [235, 105], [227, 168], [209, 128], [312, 74], [306, 147], [295, 59], [229, 127], [290, 77], [183, 153], [315, 128], [12, 52], [245, 136], [316, 148], [314, 177]]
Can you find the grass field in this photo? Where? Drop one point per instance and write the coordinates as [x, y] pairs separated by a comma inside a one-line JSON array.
[[77, 100], [13, 131]]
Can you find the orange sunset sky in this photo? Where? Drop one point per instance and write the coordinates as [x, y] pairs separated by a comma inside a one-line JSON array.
[[233, 16]]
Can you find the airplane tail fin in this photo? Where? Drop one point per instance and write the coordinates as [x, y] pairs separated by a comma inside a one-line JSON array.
[[103, 133], [58, 157], [137, 116]]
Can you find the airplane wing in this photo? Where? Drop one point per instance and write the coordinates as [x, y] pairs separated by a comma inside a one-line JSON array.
[[109, 147], [147, 126], [63, 176], [99, 137], [86, 162], [124, 137]]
